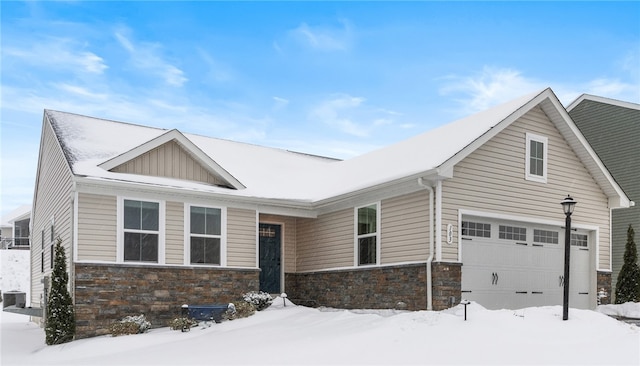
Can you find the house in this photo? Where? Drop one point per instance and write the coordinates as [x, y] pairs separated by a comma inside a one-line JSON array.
[[14, 228], [153, 218], [612, 128]]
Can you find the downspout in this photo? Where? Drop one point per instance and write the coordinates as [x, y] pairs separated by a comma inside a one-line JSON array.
[[431, 245], [438, 221]]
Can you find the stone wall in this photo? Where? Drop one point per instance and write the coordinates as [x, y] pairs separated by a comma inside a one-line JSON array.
[[447, 284], [105, 293], [372, 287], [604, 282]]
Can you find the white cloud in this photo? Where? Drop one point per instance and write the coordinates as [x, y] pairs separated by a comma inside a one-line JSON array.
[[145, 57], [337, 112], [56, 53], [324, 38], [279, 103]]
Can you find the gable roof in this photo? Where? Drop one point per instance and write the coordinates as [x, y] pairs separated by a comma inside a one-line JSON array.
[[194, 151], [287, 177]]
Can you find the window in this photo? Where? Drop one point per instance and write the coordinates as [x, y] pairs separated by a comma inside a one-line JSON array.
[[478, 229], [512, 233], [205, 235], [545, 236], [579, 240], [536, 160], [367, 236], [141, 224]]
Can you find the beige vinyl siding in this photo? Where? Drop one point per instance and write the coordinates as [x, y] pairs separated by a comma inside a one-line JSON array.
[[289, 238], [325, 242], [52, 200], [174, 233], [404, 233], [492, 179], [97, 227], [169, 160], [241, 237]]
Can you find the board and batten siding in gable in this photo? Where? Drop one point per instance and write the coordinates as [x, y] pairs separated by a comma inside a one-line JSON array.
[[325, 242], [97, 227], [242, 230], [171, 161], [289, 238], [492, 179], [404, 233], [52, 201]]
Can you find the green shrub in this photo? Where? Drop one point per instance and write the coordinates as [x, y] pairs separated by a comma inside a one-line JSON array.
[[183, 323], [628, 284], [261, 300], [130, 325], [60, 326], [243, 309]]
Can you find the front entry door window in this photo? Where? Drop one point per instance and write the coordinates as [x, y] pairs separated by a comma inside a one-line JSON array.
[[269, 258]]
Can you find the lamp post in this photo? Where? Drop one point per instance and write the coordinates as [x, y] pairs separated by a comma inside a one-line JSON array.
[[568, 205]]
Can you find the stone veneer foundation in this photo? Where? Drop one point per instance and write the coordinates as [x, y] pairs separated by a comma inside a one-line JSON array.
[[604, 283], [105, 293], [446, 284]]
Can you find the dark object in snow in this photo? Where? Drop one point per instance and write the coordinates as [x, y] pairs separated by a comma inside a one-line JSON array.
[[206, 313], [60, 321], [628, 284]]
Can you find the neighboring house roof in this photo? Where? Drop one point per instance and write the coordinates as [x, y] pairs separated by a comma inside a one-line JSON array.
[[92, 146], [612, 127]]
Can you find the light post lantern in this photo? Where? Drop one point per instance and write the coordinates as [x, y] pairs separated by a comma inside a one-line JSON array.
[[568, 204]]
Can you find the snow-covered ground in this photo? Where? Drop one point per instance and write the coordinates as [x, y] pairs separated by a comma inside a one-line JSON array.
[[303, 336]]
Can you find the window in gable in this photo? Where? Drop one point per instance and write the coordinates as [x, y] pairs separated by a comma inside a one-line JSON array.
[[367, 224], [536, 159]]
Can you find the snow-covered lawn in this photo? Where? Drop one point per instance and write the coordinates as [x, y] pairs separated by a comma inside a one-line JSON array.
[[300, 335]]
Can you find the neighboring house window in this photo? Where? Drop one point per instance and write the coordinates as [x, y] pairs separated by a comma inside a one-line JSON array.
[[478, 229], [51, 246], [536, 161], [545, 236], [42, 252], [367, 234], [512, 233], [579, 240], [141, 231], [205, 235]]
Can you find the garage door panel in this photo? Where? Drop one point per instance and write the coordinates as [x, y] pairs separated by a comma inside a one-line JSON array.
[[501, 273]]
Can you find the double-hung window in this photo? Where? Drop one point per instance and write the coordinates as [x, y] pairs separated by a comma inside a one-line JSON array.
[[367, 224], [141, 227], [536, 159], [205, 235]]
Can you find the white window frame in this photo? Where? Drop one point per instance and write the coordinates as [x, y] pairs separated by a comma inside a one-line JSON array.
[[357, 237], [545, 156], [222, 236], [121, 231]]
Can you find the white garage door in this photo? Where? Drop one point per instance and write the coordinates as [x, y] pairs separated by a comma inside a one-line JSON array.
[[512, 265]]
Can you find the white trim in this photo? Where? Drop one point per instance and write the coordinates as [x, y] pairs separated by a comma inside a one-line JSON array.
[[150, 264], [525, 219], [377, 235], [399, 264], [120, 228], [74, 239], [187, 235], [545, 157], [438, 226]]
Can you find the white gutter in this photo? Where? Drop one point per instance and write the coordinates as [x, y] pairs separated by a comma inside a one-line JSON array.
[[431, 245]]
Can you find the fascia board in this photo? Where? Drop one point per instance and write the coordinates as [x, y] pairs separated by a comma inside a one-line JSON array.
[[183, 141], [595, 98]]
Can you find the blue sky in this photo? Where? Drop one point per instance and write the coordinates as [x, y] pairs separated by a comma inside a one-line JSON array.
[[329, 78]]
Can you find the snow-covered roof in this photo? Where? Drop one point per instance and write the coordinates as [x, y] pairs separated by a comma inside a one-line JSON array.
[[276, 174], [20, 213]]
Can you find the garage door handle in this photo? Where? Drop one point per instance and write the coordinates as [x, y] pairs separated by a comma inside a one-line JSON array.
[[494, 278], [561, 281]]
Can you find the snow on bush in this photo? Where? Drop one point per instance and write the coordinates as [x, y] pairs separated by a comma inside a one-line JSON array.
[[184, 324], [130, 325], [261, 300], [242, 309]]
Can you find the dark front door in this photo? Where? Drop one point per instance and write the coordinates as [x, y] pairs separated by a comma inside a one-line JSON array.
[[269, 258]]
